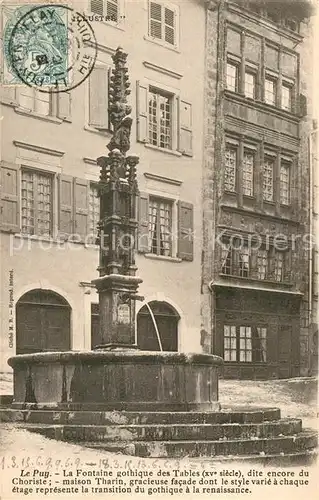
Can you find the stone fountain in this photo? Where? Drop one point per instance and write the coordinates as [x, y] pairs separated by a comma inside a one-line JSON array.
[[120, 398], [116, 375]]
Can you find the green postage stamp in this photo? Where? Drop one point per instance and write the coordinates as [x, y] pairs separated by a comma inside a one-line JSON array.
[[47, 46]]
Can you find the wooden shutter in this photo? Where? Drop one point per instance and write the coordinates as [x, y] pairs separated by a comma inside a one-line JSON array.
[[81, 207], [112, 10], [64, 106], [10, 195], [142, 111], [8, 94], [302, 105], [185, 145], [143, 222], [99, 98], [97, 7], [65, 205], [185, 231]]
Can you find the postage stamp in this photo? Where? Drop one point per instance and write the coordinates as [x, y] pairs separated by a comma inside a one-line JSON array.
[[50, 47]]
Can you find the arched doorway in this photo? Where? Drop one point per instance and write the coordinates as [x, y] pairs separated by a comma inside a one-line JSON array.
[[166, 319], [42, 322]]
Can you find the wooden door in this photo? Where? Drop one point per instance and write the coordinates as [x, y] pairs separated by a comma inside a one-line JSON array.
[[42, 323], [284, 351], [167, 324]]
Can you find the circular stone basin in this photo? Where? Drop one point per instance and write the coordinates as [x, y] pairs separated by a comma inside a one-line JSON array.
[[121, 379]]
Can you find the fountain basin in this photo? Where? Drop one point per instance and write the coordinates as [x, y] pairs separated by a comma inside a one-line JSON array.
[[121, 379]]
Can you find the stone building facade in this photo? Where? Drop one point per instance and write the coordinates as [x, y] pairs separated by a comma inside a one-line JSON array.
[[256, 297], [50, 209]]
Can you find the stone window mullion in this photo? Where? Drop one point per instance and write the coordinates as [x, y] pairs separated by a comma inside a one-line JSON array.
[[257, 177], [277, 182], [262, 72], [279, 80], [261, 178], [240, 159], [242, 67]]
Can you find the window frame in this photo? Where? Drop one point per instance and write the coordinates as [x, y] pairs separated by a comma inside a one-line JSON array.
[[241, 329], [52, 103], [251, 152], [235, 148], [285, 200], [232, 63], [158, 200], [51, 176], [285, 84], [176, 13], [253, 73], [162, 93], [274, 80], [269, 157]]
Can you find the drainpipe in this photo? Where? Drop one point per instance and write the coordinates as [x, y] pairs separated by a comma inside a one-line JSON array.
[[311, 228]]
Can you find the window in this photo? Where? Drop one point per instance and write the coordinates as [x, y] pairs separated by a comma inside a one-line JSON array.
[[36, 203], [250, 85], [160, 119], [245, 343], [262, 264], [268, 179], [248, 173], [33, 100], [244, 258], [279, 266], [230, 343], [230, 169], [232, 76], [160, 227], [94, 212], [285, 183], [109, 9], [162, 23], [286, 97], [270, 91], [291, 24], [227, 259]]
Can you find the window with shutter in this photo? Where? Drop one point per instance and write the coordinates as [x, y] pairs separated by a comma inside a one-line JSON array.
[[163, 22], [107, 9]]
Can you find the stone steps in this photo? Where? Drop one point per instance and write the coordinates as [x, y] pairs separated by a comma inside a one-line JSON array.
[[238, 415], [168, 432], [255, 434], [278, 446]]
